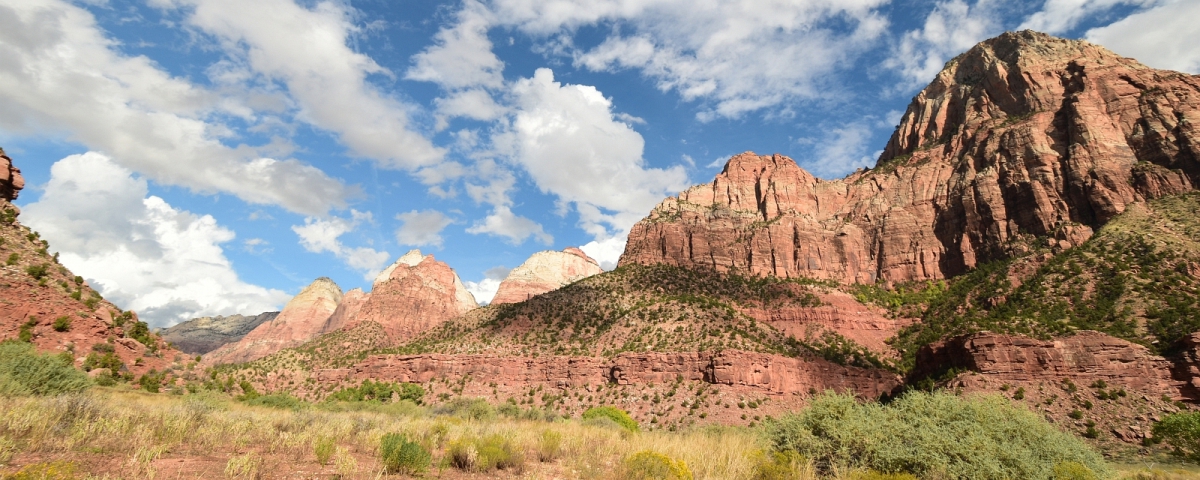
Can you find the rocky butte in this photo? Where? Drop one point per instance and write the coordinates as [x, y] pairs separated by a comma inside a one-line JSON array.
[[1023, 134], [543, 272]]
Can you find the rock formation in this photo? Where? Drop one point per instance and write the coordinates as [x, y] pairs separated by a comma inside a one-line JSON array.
[[1023, 134], [205, 334], [411, 296], [301, 320], [11, 181], [43, 303], [543, 272]]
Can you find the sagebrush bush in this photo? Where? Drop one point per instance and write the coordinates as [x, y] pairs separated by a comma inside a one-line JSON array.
[[984, 437], [615, 414], [651, 465], [1073, 471], [1182, 432], [399, 455], [281, 401], [549, 446], [23, 371], [323, 449], [785, 465], [470, 408]]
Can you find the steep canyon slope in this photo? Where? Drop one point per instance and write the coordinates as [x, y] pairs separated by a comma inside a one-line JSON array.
[[1023, 134]]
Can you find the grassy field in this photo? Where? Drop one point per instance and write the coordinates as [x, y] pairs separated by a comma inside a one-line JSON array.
[[120, 433]]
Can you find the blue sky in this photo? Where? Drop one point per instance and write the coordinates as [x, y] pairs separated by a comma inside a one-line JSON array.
[[203, 157]]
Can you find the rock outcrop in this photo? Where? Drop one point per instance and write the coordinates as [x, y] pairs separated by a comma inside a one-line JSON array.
[[1023, 134], [411, 296], [205, 334], [544, 272], [11, 181], [1082, 358], [43, 303], [770, 374], [301, 320]]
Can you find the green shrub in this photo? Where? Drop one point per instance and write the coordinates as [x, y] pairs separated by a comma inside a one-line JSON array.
[[1073, 471], [786, 465], [498, 452], [620, 417], [54, 470], [25, 333], [1182, 432], [924, 434], [282, 401], [38, 272], [62, 324], [399, 455], [470, 408], [12, 259], [650, 465], [382, 392], [873, 475], [323, 449], [152, 381], [23, 371], [549, 446], [248, 391]]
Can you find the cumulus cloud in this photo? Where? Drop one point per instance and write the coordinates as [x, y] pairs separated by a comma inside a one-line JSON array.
[[951, 28], [319, 235], [502, 222], [1164, 36], [1059, 16], [61, 76], [306, 49], [462, 54], [738, 56], [567, 139], [420, 228], [841, 150], [606, 252], [485, 290], [138, 251]]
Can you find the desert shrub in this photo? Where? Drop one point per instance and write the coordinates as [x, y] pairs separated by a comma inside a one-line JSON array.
[[399, 455], [323, 449], [922, 433], [248, 391], [152, 381], [499, 452], [1073, 471], [382, 392], [784, 465], [62, 324], [873, 475], [549, 446], [470, 408], [13, 258], [651, 465], [54, 470], [23, 371], [38, 272], [1182, 432], [244, 466], [282, 401], [620, 417]]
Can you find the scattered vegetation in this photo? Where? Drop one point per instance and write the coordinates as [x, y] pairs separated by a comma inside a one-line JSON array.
[[23, 371], [930, 435], [382, 392], [400, 455], [618, 416], [1181, 431]]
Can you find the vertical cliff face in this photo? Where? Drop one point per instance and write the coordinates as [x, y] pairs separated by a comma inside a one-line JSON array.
[[1023, 134], [11, 181], [544, 272], [411, 296], [301, 320]]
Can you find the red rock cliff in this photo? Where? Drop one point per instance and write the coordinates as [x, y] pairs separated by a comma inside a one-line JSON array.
[[300, 321], [544, 272], [1024, 133]]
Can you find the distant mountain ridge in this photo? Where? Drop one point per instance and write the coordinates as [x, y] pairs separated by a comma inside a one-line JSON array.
[[205, 334]]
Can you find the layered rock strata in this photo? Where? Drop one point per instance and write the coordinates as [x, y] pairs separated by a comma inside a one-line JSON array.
[[413, 295], [771, 374], [205, 334], [544, 272], [1082, 358], [1023, 134], [301, 320]]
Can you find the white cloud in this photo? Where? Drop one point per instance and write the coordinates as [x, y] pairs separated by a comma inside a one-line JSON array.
[[1059, 16], [1164, 36], [740, 56], [475, 104], [138, 251], [62, 77], [485, 290], [320, 235], [307, 50], [462, 54], [840, 150], [953, 27], [502, 222], [606, 252], [567, 139], [422, 228]]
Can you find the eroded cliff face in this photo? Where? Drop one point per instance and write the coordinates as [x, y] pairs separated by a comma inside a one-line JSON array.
[[205, 334], [1023, 134], [301, 320], [544, 272], [11, 181], [413, 295]]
